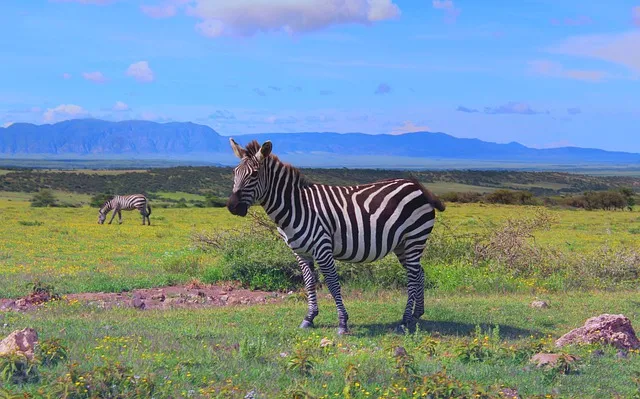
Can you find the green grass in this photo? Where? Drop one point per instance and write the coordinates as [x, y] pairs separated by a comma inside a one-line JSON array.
[[440, 187], [178, 195], [70, 250], [61, 196], [243, 347]]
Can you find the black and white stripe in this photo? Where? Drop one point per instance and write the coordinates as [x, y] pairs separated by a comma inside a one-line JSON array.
[[323, 223], [125, 203]]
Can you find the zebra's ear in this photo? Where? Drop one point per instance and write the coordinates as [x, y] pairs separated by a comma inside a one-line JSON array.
[[265, 150], [237, 149]]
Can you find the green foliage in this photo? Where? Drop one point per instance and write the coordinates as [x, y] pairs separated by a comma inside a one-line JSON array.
[[17, 369], [111, 380], [30, 223], [99, 199], [302, 361], [43, 199], [188, 262], [214, 201], [39, 288], [52, 351]]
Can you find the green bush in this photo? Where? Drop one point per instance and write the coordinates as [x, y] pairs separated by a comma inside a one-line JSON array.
[[187, 262], [43, 199]]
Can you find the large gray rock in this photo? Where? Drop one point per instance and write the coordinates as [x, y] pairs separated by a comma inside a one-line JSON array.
[[609, 329], [20, 342]]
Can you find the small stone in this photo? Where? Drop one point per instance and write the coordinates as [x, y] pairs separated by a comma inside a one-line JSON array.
[[622, 354], [224, 298], [539, 305], [551, 359], [20, 342], [160, 297], [138, 303], [324, 342], [509, 393], [251, 394], [284, 354], [399, 351]]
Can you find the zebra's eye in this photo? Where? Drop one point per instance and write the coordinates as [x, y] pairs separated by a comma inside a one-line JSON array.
[[254, 173]]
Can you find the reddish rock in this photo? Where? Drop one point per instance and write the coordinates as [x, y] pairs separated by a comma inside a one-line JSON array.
[[610, 329], [539, 305], [20, 342], [551, 359]]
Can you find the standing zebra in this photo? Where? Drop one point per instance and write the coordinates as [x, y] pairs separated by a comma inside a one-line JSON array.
[[125, 203], [323, 223]]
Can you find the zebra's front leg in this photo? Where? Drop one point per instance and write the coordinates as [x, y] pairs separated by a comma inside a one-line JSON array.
[[113, 215], [144, 217], [306, 265], [328, 268]]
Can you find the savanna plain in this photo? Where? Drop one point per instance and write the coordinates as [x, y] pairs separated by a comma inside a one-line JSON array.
[[485, 264]]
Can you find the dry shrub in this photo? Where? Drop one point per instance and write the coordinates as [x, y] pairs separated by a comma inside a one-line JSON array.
[[513, 244]]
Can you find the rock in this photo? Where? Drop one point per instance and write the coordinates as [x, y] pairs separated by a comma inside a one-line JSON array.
[[138, 303], [20, 342], [159, 297], [251, 394], [622, 354], [509, 393], [224, 298], [539, 305], [399, 351], [615, 330], [551, 359], [284, 354], [324, 342]]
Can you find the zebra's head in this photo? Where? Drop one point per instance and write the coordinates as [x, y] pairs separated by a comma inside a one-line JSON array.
[[101, 217], [102, 213], [247, 176]]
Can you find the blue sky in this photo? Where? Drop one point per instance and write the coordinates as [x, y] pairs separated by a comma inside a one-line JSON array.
[[541, 72]]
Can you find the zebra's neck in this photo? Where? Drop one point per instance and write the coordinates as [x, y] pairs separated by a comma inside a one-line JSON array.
[[283, 183], [106, 207]]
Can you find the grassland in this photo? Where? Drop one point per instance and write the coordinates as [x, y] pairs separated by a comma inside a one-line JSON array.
[[231, 351]]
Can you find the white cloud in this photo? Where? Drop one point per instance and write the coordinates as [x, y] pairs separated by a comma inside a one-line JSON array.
[[409, 127], [162, 11], [554, 69], [96, 77], [97, 2], [619, 48], [248, 17], [120, 106], [140, 71], [66, 76], [7, 124], [451, 11], [63, 112]]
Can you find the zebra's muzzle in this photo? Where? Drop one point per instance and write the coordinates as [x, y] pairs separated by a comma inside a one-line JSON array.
[[235, 206]]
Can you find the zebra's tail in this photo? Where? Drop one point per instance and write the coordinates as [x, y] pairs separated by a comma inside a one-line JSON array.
[[431, 197], [148, 209]]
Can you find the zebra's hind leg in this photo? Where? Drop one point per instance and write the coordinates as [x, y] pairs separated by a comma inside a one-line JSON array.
[[409, 254], [327, 266], [306, 266], [119, 217]]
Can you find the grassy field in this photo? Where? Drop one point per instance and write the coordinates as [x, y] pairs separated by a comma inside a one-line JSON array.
[[230, 351], [66, 246]]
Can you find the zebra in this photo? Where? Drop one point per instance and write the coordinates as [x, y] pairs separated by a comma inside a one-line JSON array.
[[125, 203], [323, 223]]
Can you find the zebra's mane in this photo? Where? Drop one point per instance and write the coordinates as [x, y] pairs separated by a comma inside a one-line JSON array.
[[252, 149]]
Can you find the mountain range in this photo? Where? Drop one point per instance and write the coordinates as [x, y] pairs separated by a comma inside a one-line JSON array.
[[93, 138]]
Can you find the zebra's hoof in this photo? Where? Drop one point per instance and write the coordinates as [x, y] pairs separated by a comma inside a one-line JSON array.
[[306, 324], [343, 331], [406, 328]]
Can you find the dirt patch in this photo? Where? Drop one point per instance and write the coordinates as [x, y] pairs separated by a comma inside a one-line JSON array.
[[193, 295]]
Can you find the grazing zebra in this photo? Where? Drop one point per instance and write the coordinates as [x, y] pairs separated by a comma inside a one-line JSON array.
[[323, 223], [125, 203]]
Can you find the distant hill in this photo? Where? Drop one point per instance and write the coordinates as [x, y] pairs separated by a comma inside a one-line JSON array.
[[92, 138]]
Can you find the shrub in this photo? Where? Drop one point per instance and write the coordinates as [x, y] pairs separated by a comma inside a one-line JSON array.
[[510, 197], [17, 369], [99, 199], [214, 201], [43, 199], [112, 380], [51, 352], [183, 262], [30, 223]]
